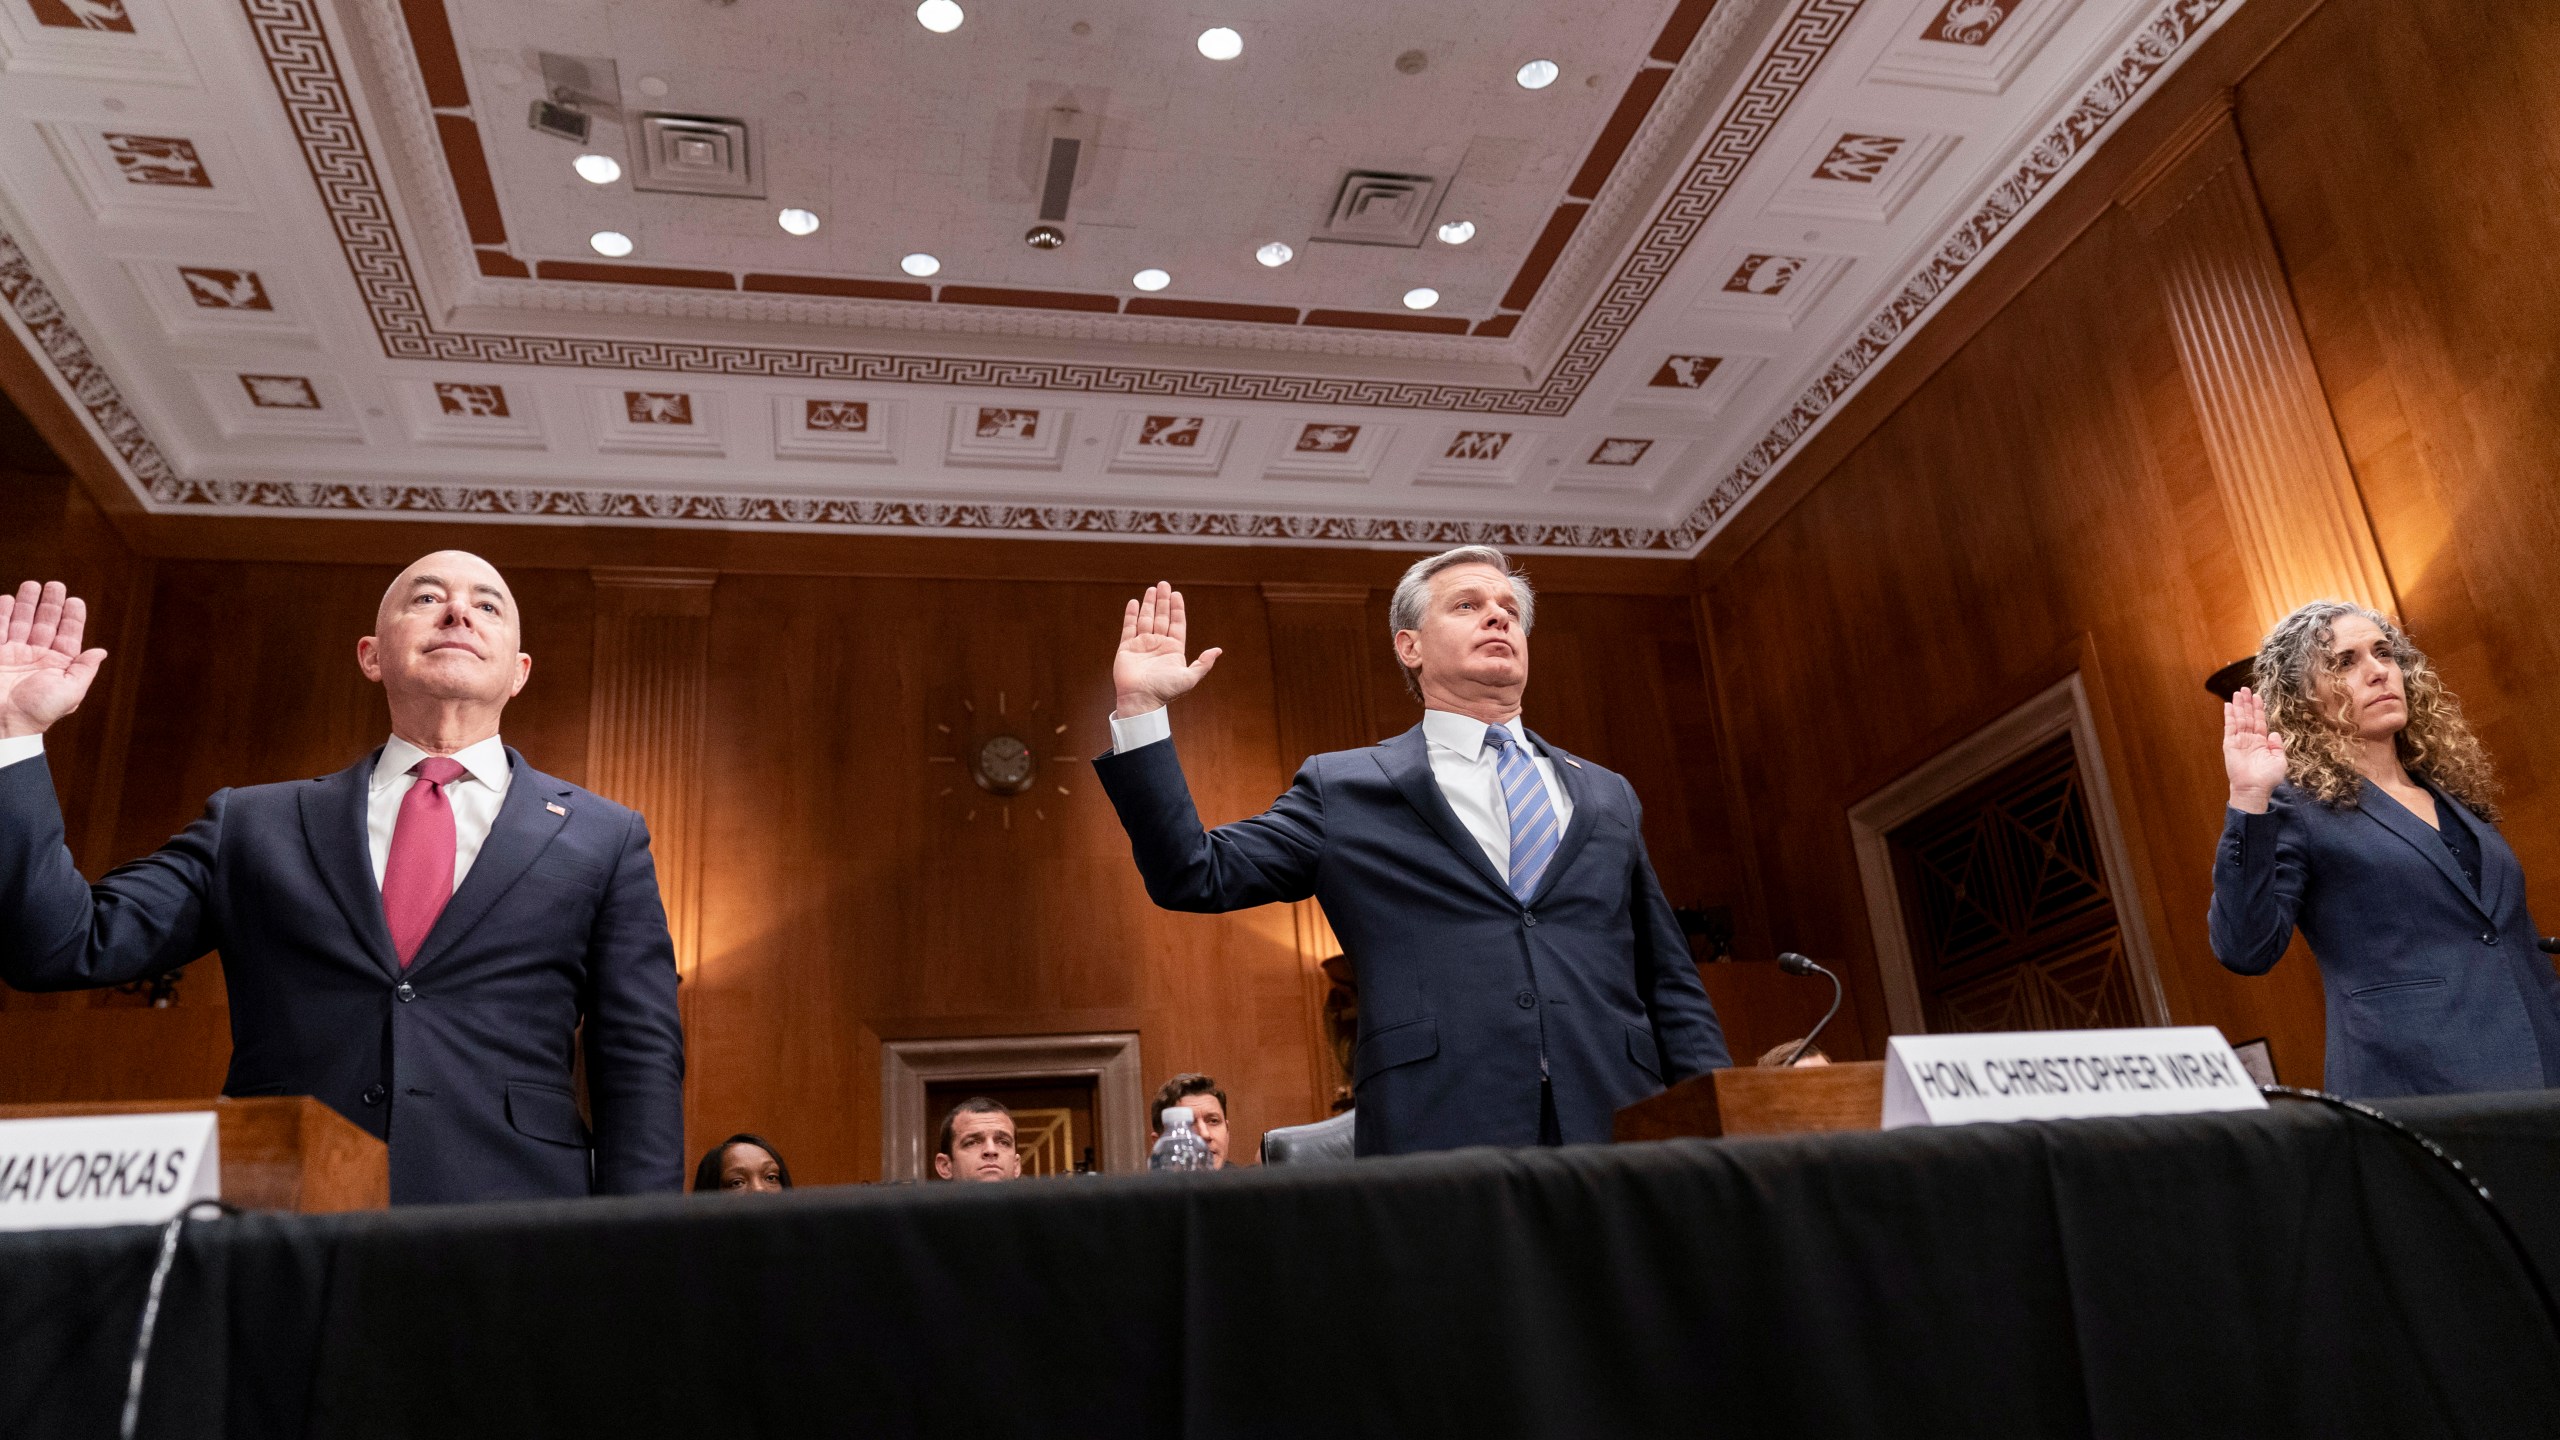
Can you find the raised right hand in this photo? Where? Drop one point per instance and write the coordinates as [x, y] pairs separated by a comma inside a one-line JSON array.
[[44, 674], [1149, 671], [2252, 755]]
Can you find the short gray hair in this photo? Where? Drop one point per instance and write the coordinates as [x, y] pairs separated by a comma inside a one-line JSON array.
[[1404, 608]]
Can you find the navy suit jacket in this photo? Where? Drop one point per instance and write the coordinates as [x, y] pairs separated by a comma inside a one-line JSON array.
[[463, 1063], [1464, 989], [2433, 987]]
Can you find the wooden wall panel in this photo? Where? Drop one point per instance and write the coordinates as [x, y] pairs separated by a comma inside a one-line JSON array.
[[2408, 156], [855, 890], [2296, 517], [51, 530], [2044, 503]]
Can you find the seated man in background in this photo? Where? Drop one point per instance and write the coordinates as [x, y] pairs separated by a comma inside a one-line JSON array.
[[1208, 1105], [743, 1164], [978, 1143]]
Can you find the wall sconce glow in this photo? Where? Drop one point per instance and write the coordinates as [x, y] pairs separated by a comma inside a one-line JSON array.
[[798, 222], [611, 243], [1421, 297], [939, 16], [1221, 43], [1151, 279], [1537, 75], [920, 265], [1275, 254], [1457, 232], [598, 169]]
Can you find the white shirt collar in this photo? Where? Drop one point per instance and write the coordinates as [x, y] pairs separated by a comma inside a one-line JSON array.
[[486, 762], [1465, 733]]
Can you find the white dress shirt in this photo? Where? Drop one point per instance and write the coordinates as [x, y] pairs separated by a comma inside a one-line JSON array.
[[1468, 771], [475, 799], [20, 747]]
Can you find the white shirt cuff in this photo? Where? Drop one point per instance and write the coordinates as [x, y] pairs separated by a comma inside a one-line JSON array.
[[1129, 734], [21, 747]]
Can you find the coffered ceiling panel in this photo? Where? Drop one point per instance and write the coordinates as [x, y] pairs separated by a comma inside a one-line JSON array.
[[812, 264]]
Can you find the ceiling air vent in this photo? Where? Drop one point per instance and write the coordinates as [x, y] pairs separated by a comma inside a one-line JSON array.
[[695, 155], [1379, 207]]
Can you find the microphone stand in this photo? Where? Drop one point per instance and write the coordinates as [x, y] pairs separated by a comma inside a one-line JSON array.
[[1795, 964]]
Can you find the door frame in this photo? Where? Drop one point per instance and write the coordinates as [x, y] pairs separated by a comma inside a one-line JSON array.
[[907, 1133], [2062, 708]]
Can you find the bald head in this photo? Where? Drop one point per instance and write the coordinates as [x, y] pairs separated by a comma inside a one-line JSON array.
[[444, 568], [447, 649]]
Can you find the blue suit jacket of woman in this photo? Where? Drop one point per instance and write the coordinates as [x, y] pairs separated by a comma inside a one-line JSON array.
[[2433, 987]]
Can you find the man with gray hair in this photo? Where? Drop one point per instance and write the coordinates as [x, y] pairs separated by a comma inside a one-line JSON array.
[[1520, 974]]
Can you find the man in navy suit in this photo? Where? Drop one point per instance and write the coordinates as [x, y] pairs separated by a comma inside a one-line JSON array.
[[415, 940], [1520, 974]]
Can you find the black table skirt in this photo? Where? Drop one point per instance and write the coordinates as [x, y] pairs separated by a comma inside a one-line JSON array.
[[2291, 1273]]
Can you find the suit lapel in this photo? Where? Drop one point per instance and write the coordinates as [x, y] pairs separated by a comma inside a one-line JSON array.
[[2391, 815], [1407, 761], [334, 830], [1579, 786], [2492, 874], [535, 809]]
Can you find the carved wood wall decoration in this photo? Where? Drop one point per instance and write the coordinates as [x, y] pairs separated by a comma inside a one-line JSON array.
[[644, 730], [1321, 657], [2295, 510]]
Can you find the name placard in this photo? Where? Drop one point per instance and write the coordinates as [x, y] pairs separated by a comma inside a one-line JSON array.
[[2062, 1074], [106, 1169]]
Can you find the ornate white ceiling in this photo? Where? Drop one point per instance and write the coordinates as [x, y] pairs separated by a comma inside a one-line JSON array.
[[291, 256]]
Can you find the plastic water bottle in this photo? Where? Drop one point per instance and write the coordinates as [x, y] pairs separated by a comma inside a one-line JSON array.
[[1180, 1147]]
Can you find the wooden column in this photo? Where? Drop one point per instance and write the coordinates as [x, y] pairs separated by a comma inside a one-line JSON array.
[[1321, 652], [645, 726], [2300, 521]]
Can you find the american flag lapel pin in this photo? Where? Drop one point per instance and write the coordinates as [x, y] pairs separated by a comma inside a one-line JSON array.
[[1576, 764], [554, 809]]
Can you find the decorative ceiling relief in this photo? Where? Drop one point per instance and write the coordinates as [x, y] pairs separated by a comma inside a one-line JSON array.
[[1440, 306]]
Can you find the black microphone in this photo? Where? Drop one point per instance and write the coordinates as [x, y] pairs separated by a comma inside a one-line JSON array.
[[2548, 944], [1795, 964]]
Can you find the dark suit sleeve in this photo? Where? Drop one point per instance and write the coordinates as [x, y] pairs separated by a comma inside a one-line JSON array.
[[2258, 874], [1272, 856], [59, 932], [1684, 1019], [634, 1038]]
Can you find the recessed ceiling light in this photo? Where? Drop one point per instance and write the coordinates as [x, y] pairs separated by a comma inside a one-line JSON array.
[[941, 16], [799, 222], [1221, 43], [1421, 297], [1275, 253], [598, 169], [1457, 232], [1151, 279], [1536, 75], [610, 242], [919, 264]]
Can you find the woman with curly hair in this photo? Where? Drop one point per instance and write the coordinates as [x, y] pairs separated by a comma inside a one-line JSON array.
[[2360, 811]]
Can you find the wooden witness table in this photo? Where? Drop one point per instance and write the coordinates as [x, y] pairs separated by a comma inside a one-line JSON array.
[[284, 1152], [1755, 1101]]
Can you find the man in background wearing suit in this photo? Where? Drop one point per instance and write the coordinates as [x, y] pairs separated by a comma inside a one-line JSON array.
[[1520, 974], [414, 940]]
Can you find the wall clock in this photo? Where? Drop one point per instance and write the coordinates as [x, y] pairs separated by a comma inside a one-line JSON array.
[[1001, 751]]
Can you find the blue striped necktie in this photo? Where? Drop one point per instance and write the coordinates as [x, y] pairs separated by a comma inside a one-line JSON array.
[[1534, 831]]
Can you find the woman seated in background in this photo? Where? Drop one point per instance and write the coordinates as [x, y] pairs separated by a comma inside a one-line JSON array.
[[2359, 810], [742, 1165]]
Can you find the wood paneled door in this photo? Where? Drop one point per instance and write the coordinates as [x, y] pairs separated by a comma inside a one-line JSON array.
[[2006, 903]]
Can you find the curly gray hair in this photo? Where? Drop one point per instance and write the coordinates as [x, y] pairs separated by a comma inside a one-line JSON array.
[[1413, 592]]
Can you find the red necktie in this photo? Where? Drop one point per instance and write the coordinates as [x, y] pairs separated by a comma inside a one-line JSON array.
[[418, 878]]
